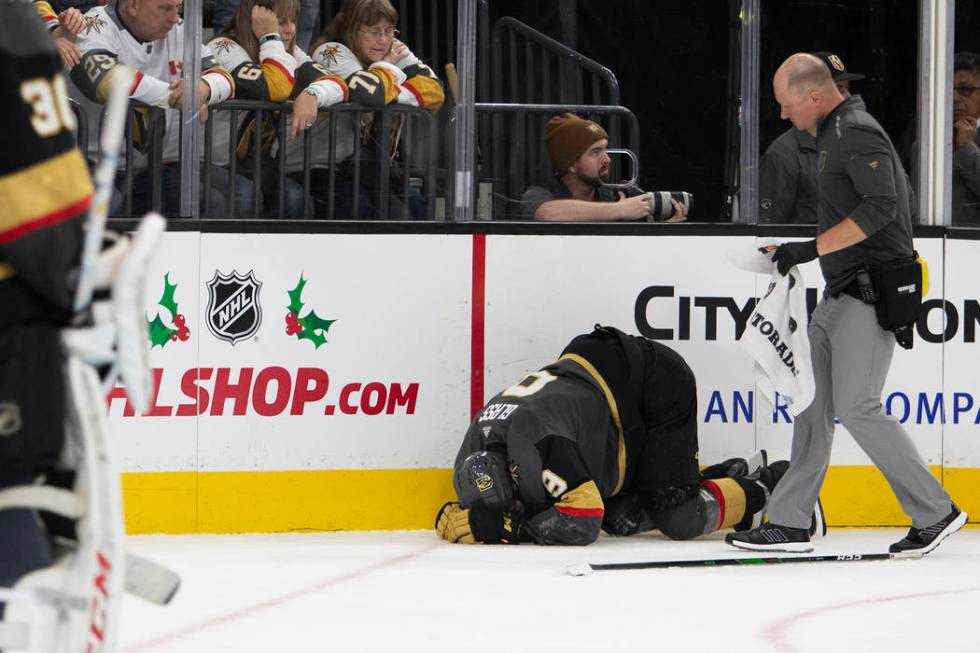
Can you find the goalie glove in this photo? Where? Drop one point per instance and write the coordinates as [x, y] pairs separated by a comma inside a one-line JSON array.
[[478, 525], [117, 335]]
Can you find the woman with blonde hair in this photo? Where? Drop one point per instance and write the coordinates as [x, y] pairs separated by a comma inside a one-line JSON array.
[[258, 48], [360, 46]]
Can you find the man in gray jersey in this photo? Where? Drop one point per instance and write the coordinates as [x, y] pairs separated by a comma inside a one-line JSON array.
[[863, 219]]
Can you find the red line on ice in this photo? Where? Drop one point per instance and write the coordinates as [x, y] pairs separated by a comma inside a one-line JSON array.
[[275, 602], [776, 632]]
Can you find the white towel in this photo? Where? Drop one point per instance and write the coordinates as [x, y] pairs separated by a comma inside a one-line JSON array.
[[775, 334]]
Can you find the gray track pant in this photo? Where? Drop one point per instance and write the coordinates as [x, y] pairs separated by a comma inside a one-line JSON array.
[[851, 355]]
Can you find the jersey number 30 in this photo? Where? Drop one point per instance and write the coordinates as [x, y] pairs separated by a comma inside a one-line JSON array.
[[49, 105]]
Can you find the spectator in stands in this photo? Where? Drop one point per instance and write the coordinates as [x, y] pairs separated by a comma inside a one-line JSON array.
[[64, 24], [575, 191], [259, 49], [147, 36], [788, 169], [360, 46], [966, 155]]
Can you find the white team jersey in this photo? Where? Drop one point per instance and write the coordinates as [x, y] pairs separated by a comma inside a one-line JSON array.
[[338, 59], [157, 63], [341, 61], [231, 55]]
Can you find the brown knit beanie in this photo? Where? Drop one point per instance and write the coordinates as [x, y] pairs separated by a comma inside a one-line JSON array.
[[567, 137]]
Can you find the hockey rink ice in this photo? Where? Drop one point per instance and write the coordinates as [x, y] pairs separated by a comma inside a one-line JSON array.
[[409, 591]]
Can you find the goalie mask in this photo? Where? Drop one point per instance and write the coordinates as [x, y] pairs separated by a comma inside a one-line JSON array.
[[483, 479]]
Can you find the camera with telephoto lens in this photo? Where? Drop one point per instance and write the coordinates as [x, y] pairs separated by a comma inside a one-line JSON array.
[[661, 208]]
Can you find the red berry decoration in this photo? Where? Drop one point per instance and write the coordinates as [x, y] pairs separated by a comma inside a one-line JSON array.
[[179, 320], [173, 338], [292, 324], [184, 333]]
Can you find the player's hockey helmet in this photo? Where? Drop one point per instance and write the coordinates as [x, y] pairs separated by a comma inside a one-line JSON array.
[[483, 479]]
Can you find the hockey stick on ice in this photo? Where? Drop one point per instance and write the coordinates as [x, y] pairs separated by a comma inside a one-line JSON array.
[[149, 580], [586, 568], [109, 142], [142, 577]]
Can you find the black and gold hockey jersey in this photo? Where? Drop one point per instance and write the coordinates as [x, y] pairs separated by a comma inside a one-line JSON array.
[[565, 446], [44, 182]]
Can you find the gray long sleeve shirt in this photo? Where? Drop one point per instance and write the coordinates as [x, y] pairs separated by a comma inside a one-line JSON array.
[[788, 177], [788, 180], [861, 177]]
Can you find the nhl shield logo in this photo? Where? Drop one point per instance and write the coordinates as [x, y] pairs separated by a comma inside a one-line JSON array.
[[234, 312]]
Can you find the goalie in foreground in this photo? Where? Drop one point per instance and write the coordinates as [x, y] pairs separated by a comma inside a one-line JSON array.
[[61, 529], [604, 438]]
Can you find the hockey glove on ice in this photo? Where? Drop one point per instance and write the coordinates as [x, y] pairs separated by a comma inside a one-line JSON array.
[[478, 525], [789, 254]]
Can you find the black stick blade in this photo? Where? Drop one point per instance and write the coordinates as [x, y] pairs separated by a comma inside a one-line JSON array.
[[583, 569]]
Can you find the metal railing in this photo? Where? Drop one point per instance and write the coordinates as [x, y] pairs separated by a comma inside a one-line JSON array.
[[371, 177], [514, 156], [539, 69], [81, 125], [152, 121], [532, 69]]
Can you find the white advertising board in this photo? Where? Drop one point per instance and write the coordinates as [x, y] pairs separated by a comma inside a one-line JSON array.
[[375, 370], [959, 320], [305, 353], [542, 291]]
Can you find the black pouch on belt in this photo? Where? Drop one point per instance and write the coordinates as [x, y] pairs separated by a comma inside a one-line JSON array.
[[899, 285]]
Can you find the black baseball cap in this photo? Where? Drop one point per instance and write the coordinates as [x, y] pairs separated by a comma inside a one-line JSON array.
[[837, 69]]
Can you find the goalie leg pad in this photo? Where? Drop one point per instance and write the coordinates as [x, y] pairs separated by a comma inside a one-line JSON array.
[[42, 616], [98, 563], [73, 605]]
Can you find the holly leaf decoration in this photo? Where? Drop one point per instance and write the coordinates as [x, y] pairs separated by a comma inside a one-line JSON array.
[[160, 333], [295, 297], [315, 329], [167, 300]]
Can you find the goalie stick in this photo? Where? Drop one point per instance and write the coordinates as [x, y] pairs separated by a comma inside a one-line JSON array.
[[586, 568], [105, 173]]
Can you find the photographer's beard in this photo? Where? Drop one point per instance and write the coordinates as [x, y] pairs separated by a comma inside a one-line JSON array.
[[595, 181]]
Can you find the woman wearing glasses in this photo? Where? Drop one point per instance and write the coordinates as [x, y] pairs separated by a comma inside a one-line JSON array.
[[360, 46]]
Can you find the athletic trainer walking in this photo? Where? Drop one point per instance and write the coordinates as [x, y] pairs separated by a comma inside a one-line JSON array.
[[863, 221]]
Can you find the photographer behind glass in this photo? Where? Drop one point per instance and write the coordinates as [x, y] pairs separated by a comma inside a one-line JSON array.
[[578, 191]]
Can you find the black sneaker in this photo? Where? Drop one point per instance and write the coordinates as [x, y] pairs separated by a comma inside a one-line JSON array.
[[770, 537], [919, 542]]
